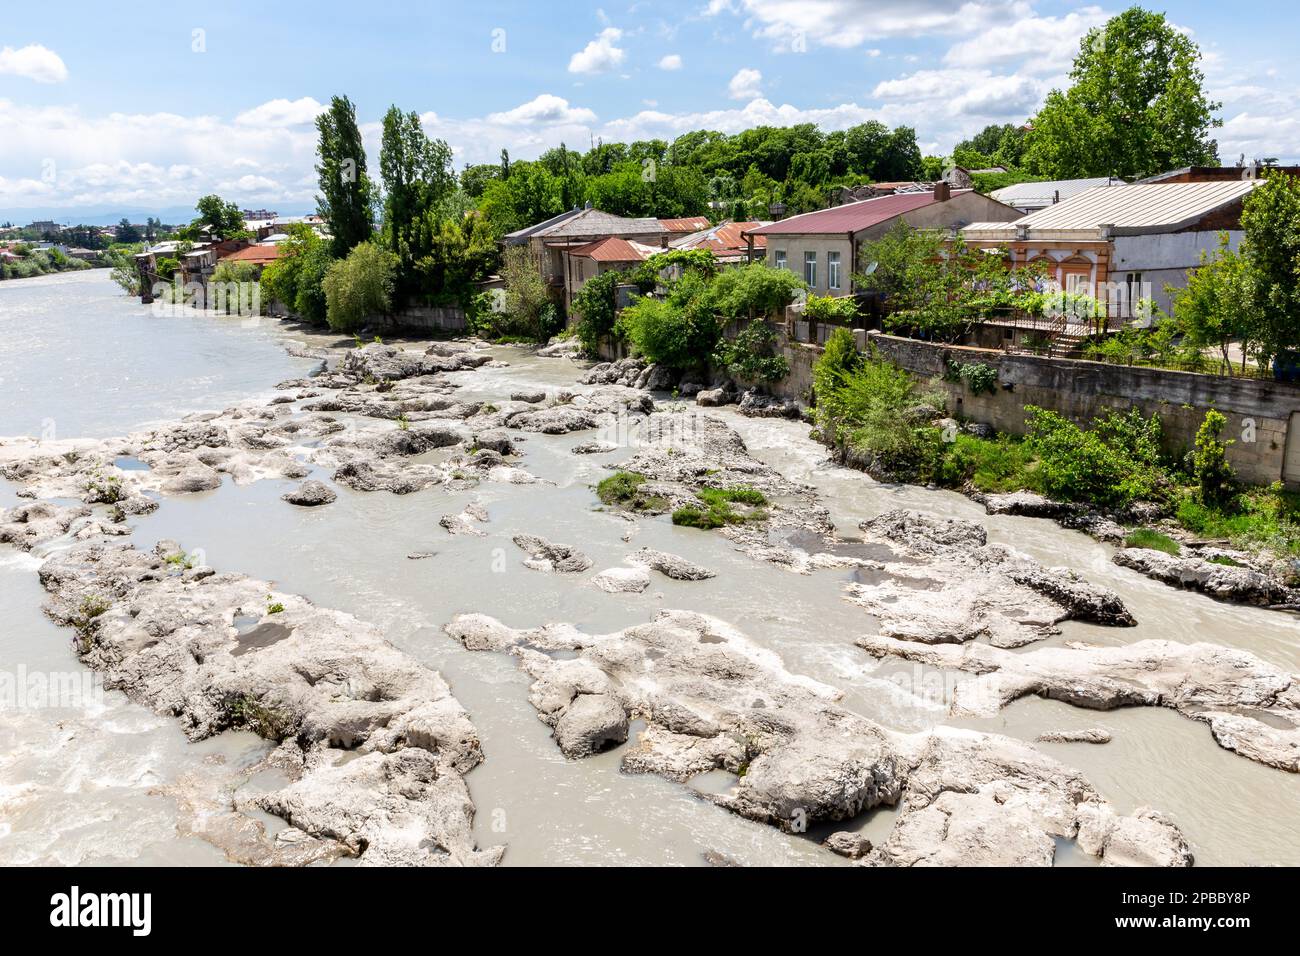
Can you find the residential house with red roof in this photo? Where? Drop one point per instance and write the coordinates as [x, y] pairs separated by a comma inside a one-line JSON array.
[[611, 254], [726, 241], [822, 246], [548, 242]]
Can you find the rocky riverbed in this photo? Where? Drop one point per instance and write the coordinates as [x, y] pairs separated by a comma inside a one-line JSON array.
[[744, 668]]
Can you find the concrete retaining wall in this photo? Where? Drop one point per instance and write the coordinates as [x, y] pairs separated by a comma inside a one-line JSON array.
[[424, 319], [1258, 411]]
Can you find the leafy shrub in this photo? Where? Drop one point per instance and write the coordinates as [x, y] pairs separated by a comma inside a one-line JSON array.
[[359, 286], [839, 358], [1114, 463], [296, 279], [529, 311], [595, 306], [754, 291], [828, 308], [991, 465], [978, 377], [871, 409], [623, 488], [751, 354], [1210, 468], [679, 330], [718, 511]]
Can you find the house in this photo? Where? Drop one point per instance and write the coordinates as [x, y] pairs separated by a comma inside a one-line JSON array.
[[684, 227], [1123, 244], [547, 241], [260, 255], [275, 225], [1218, 174], [726, 241], [822, 246], [1030, 197], [611, 254]]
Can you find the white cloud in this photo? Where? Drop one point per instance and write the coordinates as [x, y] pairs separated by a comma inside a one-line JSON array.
[[59, 157], [746, 84], [951, 94], [799, 24], [276, 114], [600, 55], [34, 62], [1044, 44], [544, 110], [670, 62]]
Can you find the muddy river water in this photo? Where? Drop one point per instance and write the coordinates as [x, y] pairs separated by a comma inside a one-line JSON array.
[[96, 782]]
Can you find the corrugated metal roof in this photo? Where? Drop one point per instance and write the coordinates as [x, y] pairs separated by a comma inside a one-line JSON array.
[[851, 217], [723, 239], [689, 224], [593, 222], [1138, 208], [1047, 193], [614, 249], [519, 235], [254, 254]]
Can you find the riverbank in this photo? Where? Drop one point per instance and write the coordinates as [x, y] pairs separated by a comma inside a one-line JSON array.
[[386, 557]]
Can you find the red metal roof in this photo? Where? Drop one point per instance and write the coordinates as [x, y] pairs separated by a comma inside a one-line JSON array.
[[851, 217], [260, 255], [614, 249], [687, 225], [727, 239]]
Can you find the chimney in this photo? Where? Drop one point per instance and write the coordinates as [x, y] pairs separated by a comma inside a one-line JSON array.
[[942, 191]]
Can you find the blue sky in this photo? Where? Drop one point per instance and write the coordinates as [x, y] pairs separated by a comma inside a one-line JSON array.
[[120, 105]]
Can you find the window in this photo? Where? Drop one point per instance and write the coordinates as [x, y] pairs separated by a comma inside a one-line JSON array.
[[832, 270], [779, 257], [810, 269]]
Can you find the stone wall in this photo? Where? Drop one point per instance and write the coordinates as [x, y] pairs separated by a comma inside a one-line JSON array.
[[424, 319], [1258, 411]]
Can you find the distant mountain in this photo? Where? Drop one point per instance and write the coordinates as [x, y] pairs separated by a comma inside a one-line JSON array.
[[109, 216]]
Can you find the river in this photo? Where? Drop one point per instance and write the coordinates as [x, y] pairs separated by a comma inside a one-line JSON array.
[[98, 783]]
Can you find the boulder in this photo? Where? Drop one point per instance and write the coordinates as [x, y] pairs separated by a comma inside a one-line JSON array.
[[1251, 707], [1223, 581], [310, 494], [1090, 735], [373, 741], [195, 478], [851, 845], [622, 580], [670, 565], [546, 556], [712, 700], [713, 397], [590, 724]]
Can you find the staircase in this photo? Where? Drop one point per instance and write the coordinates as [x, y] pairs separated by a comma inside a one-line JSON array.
[[1069, 343]]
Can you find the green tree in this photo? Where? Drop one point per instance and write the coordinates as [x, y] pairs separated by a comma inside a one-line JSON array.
[[295, 278], [1271, 220], [1210, 466], [127, 232], [222, 219], [346, 201], [461, 252], [359, 286], [1216, 307], [595, 307], [1136, 106], [418, 177], [529, 309]]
